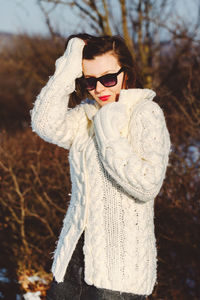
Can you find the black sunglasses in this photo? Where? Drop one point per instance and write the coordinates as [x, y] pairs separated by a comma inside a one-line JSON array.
[[107, 80]]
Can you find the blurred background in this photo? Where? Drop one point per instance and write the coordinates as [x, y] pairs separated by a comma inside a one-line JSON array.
[[164, 37]]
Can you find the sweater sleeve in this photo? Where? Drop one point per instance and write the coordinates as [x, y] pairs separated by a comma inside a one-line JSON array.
[[51, 118], [139, 163], [53, 121]]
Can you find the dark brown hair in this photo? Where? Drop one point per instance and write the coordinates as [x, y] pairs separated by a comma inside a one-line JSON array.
[[96, 46]]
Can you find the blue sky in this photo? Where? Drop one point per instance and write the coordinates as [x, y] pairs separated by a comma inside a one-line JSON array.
[[25, 16], [15, 16]]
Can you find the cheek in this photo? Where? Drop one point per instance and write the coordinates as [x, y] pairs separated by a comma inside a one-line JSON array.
[[91, 93], [120, 82], [118, 87]]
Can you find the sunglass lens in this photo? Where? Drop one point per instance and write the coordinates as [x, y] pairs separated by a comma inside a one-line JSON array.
[[109, 80], [90, 83]]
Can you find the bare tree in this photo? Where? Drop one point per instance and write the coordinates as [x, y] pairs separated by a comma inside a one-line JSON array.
[[143, 24], [32, 207]]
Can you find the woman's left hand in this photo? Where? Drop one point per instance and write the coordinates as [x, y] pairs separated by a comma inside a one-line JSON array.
[[112, 118]]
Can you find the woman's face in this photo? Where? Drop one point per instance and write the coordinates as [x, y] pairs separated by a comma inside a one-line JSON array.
[[99, 66]]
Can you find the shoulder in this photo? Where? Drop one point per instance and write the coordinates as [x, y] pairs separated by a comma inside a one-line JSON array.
[[148, 109], [77, 113], [140, 104], [132, 97], [147, 118], [148, 123], [86, 109], [90, 108]]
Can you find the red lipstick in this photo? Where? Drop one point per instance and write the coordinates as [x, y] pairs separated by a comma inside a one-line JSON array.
[[104, 98]]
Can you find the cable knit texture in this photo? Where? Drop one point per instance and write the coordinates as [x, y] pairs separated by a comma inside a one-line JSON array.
[[118, 158]]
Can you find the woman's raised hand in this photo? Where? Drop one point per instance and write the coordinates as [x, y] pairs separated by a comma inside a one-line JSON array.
[[69, 64]]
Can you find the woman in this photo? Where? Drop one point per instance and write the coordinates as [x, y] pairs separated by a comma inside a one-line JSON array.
[[118, 152]]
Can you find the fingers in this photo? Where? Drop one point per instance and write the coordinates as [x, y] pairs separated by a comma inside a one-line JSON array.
[[75, 45]]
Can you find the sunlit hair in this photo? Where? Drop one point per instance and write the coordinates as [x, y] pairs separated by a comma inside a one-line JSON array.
[[96, 46]]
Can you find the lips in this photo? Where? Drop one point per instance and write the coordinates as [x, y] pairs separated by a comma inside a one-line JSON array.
[[104, 98]]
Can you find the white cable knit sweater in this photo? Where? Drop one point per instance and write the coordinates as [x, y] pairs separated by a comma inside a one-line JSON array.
[[118, 158]]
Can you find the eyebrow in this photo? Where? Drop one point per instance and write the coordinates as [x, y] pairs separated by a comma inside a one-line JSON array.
[[106, 72]]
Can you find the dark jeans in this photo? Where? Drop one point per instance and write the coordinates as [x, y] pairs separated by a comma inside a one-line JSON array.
[[75, 288]]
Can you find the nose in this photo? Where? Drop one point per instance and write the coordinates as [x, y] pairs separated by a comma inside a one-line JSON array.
[[99, 87]]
